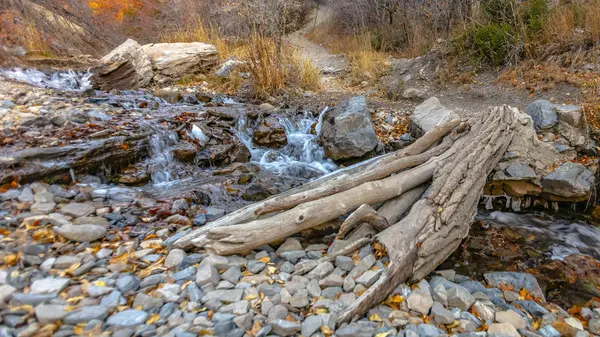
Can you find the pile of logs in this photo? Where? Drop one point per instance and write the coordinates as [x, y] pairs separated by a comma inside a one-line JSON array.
[[422, 199]]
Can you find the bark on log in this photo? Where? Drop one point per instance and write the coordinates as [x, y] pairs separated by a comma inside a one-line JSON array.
[[436, 224], [321, 187]]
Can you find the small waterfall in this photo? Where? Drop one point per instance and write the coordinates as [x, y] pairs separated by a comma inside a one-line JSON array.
[[301, 157], [62, 80], [161, 157]]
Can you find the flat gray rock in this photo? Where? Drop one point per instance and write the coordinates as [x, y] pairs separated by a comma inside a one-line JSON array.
[[517, 280]]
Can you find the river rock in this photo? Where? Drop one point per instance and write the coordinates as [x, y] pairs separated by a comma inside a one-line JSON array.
[[50, 313], [285, 328], [184, 152], [517, 280], [347, 131], [81, 233], [173, 61], [543, 113], [49, 285], [86, 314], [420, 301], [270, 133], [127, 318], [502, 329], [512, 318], [126, 67], [570, 182], [77, 210], [428, 115]]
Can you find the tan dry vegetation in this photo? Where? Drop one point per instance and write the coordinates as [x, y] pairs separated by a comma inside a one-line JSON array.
[[274, 67], [365, 61]]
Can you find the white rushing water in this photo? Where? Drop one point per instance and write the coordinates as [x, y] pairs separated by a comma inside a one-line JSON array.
[[61, 80], [301, 157], [568, 237]]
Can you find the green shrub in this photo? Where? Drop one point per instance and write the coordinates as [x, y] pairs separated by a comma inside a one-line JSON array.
[[493, 42], [535, 15], [500, 11]]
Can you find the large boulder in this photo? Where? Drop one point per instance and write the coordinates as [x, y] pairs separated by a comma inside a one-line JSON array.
[[428, 115], [347, 131], [126, 67], [570, 182], [543, 114], [172, 61]]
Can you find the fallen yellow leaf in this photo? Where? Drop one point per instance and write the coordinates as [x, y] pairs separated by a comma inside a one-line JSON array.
[[153, 319]]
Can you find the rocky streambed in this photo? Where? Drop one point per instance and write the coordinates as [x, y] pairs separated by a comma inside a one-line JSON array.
[[97, 186]]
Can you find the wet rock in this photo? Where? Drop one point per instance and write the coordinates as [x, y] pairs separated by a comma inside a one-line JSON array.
[[520, 170], [270, 133], [126, 67], [184, 152], [543, 114], [517, 280], [311, 325], [221, 154], [428, 115], [257, 191], [571, 181], [81, 233], [171, 95], [344, 263], [347, 130]]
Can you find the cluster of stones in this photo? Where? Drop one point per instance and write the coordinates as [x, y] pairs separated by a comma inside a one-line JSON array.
[[53, 287]]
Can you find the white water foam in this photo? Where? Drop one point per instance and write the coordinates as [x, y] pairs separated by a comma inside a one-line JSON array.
[[61, 80], [301, 157]]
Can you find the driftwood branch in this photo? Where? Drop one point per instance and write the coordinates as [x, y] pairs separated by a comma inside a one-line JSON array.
[[436, 224], [336, 182]]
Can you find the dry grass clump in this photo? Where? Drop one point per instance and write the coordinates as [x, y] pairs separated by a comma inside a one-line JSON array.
[[273, 66], [365, 61], [577, 22]]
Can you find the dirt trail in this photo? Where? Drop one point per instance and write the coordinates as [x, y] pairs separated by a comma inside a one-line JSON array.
[[320, 57]]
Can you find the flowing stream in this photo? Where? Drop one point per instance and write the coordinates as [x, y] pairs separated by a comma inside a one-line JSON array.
[[303, 157]]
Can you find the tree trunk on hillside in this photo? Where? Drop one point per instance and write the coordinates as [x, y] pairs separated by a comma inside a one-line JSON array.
[[438, 220]]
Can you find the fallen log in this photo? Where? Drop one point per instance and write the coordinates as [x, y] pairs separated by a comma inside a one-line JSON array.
[[336, 182], [437, 224]]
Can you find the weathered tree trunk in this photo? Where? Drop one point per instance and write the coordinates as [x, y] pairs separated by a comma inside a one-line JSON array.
[[437, 224]]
